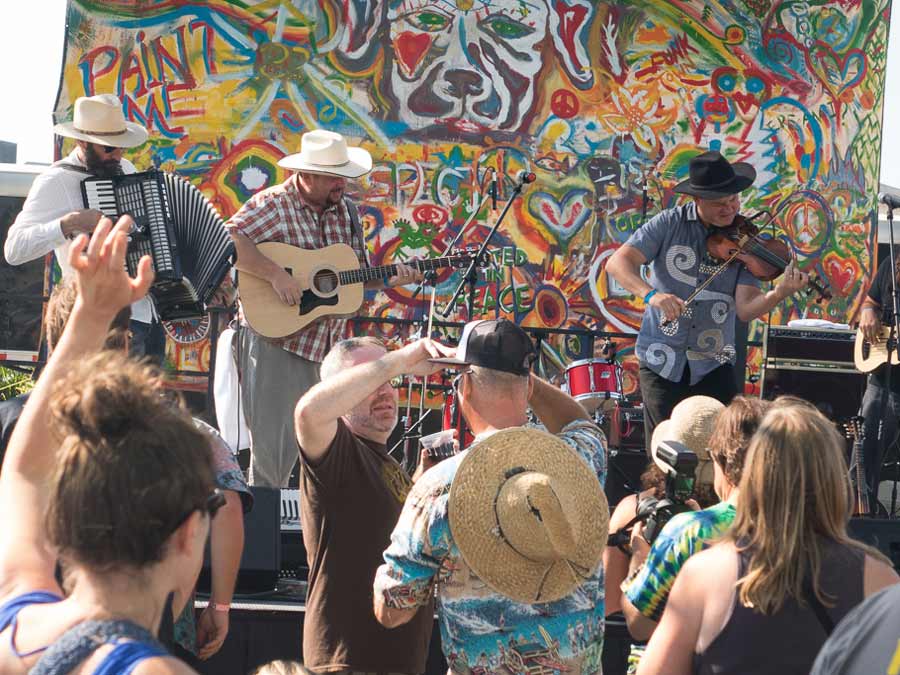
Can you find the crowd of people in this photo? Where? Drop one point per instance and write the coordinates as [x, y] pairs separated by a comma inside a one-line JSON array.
[[112, 489]]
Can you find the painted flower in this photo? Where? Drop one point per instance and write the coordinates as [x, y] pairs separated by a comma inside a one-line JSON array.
[[639, 114]]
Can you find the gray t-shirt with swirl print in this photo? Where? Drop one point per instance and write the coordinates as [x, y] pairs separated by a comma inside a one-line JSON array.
[[674, 243]]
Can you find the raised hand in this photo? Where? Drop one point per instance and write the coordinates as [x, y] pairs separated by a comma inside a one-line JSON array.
[[104, 286], [415, 356]]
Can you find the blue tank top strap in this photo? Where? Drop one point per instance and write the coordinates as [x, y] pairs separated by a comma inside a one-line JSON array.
[[133, 644], [9, 613]]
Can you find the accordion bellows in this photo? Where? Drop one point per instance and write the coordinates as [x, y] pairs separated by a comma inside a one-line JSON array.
[[178, 227]]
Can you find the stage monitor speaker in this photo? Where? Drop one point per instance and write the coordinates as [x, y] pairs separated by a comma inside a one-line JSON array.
[[836, 394], [881, 533], [261, 558]]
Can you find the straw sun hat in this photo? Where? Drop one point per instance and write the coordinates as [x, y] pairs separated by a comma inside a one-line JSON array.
[[528, 515], [691, 424], [99, 119]]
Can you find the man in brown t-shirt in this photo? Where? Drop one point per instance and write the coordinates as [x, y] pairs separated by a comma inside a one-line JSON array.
[[351, 495]]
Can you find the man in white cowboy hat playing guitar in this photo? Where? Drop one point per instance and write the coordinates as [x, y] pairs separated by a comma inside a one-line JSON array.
[[308, 210], [54, 214], [511, 531], [684, 350]]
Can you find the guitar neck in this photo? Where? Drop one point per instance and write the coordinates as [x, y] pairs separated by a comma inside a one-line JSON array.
[[365, 274], [862, 490]]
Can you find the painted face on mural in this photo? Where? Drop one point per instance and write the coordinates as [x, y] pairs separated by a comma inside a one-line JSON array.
[[469, 70], [462, 68]]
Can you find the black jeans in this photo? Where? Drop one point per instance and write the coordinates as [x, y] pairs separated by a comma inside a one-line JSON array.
[[661, 395], [873, 451]]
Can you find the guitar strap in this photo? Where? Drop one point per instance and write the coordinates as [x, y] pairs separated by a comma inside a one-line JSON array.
[[356, 226]]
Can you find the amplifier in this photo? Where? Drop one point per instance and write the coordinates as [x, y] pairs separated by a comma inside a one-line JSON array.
[[823, 349], [293, 551], [836, 393]]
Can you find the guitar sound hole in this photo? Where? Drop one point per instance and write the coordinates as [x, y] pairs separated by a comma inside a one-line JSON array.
[[325, 282]]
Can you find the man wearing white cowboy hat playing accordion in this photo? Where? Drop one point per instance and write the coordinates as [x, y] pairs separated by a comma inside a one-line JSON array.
[[308, 210], [512, 530], [54, 214]]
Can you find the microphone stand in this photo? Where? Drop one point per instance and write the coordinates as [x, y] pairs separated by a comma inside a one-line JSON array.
[[411, 431], [891, 347], [471, 275]]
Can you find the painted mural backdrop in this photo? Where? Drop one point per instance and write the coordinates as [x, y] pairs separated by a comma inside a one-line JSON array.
[[606, 102]]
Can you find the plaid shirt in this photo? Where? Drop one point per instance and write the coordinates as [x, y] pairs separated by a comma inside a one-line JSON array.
[[281, 213]]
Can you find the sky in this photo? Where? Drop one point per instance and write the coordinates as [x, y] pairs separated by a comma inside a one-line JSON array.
[[31, 48]]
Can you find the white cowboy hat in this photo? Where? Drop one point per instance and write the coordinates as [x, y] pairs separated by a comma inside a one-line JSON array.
[[528, 515], [326, 152], [99, 119]]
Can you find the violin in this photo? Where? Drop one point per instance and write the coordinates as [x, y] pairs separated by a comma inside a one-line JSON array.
[[765, 258]]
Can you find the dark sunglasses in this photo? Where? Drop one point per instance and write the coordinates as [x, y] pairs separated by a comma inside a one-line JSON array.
[[108, 148], [210, 505]]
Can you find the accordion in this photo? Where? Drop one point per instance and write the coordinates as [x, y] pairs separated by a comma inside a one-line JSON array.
[[178, 227]]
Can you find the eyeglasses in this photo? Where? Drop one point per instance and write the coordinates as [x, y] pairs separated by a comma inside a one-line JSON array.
[[454, 383], [211, 505], [108, 149]]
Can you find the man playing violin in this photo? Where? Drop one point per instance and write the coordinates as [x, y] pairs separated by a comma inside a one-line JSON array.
[[685, 350]]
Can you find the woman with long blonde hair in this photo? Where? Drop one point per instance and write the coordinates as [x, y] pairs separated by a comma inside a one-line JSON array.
[[765, 598]]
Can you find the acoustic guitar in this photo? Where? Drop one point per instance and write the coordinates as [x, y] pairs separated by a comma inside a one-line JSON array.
[[867, 356], [335, 285]]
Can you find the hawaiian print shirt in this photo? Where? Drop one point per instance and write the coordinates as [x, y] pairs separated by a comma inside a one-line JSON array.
[[482, 631], [682, 537], [674, 244], [228, 477]]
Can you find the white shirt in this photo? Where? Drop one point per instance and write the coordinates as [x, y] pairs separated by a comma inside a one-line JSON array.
[[37, 230]]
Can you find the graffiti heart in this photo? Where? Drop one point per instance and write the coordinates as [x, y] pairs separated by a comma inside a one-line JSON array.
[[838, 75], [564, 216]]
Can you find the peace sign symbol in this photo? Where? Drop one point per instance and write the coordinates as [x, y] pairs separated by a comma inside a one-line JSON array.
[[564, 104]]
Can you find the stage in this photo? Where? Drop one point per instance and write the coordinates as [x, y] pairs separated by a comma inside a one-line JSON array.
[[270, 627]]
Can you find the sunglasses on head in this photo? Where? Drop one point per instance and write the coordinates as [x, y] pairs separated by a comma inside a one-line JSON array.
[[211, 505]]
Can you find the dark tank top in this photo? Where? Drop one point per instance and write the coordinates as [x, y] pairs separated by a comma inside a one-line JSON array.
[[788, 641]]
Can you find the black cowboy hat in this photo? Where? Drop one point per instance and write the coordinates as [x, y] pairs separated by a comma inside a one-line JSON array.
[[713, 177]]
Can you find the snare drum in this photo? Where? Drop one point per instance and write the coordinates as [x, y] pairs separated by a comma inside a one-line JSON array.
[[595, 383], [451, 417]]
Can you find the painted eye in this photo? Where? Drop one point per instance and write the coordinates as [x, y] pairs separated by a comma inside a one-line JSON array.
[[506, 28], [428, 21]]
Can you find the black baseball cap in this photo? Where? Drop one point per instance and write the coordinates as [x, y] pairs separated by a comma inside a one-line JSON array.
[[497, 344]]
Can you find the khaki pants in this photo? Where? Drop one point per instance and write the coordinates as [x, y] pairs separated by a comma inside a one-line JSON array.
[[272, 381]]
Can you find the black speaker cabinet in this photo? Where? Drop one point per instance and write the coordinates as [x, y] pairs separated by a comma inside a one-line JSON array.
[[837, 394], [261, 559], [815, 364]]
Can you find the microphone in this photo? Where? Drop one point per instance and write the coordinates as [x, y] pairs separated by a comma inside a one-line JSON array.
[[525, 177], [889, 200], [493, 189]]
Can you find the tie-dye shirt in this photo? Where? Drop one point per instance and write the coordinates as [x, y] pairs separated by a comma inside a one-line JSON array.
[[674, 243], [482, 631], [682, 537]]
